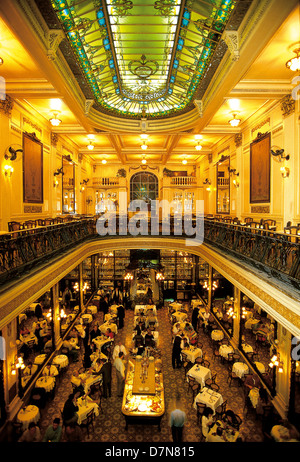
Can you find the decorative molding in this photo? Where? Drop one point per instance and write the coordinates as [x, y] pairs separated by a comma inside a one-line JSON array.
[[261, 124], [6, 105], [260, 209], [16, 129], [278, 129], [33, 209], [199, 106], [88, 105], [46, 147], [223, 150], [287, 105], [143, 167], [210, 157], [54, 139], [32, 124], [238, 139], [231, 39], [54, 37]]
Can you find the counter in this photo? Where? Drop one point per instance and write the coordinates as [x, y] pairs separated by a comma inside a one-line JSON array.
[[143, 399]]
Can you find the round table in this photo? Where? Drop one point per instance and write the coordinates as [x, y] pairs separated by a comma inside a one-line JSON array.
[[224, 350], [40, 359], [47, 382], [27, 415], [217, 335], [88, 318], [247, 348], [261, 368], [92, 309], [61, 361], [240, 369]]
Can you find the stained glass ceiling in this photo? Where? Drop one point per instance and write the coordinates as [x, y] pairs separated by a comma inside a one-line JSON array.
[[144, 58]]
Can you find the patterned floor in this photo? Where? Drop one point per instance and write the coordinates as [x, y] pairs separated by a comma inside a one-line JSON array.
[[110, 424]]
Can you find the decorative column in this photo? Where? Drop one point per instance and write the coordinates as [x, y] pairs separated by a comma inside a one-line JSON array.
[[237, 319], [56, 315], [281, 400], [210, 282], [81, 301]]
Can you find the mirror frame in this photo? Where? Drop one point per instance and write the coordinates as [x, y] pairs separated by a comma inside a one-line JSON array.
[[65, 159], [222, 160]]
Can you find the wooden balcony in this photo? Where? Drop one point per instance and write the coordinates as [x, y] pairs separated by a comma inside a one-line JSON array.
[[180, 181]]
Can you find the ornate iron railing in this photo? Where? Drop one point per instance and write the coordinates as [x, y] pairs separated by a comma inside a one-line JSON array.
[[273, 253]]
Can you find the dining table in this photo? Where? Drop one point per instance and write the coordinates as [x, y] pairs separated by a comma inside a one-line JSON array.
[[27, 338], [247, 348], [217, 335], [62, 361], [87, 318], [100, 341], [92, 309], [110, 317], [145, 309], [180, 316], [39, 359], [230, 434], [175, 306], [200, 374], [27, 415], [224, 350], [112, 326], [210, 398], [240, 369], [192, 353], [260, 366], [85, 405], [195, 303], [47, 382]]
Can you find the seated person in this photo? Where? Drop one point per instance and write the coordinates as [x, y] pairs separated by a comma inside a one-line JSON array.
[[109, 334], [151, 320], [30, 369], [24, 330], [72, 351], [31, 435], [138, 340], [78, 381], [95, 332], [149, 339], [184, 343], [176, 328], [96, 366], [141, 320], [207, 421], [50, 370]]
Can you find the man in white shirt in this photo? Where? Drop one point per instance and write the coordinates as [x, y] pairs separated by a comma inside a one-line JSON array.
[[177, 421], [119, 347], [120, 370], [50, 370]]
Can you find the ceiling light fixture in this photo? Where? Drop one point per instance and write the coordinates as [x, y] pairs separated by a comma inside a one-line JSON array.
[[104, 161], [234, 122], [144, 137], [144, 160], [184, 161], [55, 122], [294, 63], [90, 146]]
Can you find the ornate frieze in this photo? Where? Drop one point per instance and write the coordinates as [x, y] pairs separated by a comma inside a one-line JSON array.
[[231, 39], [6, 105], [287, 105]]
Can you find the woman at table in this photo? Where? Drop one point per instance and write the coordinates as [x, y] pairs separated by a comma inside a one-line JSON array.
[[96, 366], [207, 421], [109, 334]]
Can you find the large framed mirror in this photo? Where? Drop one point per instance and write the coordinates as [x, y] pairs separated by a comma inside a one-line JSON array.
[[223, 185], [68, 189]]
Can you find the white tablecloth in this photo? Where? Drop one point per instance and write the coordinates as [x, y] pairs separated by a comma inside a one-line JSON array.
[[61, 361], [145, 309], [217, 335], [196, 303], [200, 373], [247, 348], [84, 409], [192, 353], [260, 367], [225, 349], [87, 318], [179, 316], [113, 309], [92, 309], [209, 397], [109, 317], [253, 396], [113, 327], [175, 306], [28, 414], [46, 382], [240, 369], [40, 359], [28, 337], [100, 341]]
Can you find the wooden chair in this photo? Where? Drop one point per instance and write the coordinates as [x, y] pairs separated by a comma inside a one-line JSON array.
[[29, 224], [185, 363], [48, 221], [200, 411], [212, 380], [191, 381], [206, 364], [199, 360], [195, 390], [216, 354], [220, 410], [215, 387], [88, 422], [233, 377], [248, 220]]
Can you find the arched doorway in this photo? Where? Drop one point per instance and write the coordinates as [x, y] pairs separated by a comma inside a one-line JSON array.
[[144, 186]]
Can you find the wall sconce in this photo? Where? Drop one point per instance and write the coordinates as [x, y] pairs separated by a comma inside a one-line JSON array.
[[231, 313], [55, 122], [56, 183], [244, 313], [83, 182], [275, 362], [8, 170], [232, 171], [279, 154], [128, 277], [285, 172], [12, 152], [17, 364], [159, 277], [234, 122], [208, 182], [59, 171]]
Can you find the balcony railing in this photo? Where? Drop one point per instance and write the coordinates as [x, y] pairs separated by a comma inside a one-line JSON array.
[[273, 253]]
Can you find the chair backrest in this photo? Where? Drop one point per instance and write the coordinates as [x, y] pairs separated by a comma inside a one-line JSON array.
[[215, 387], [14, 226], [29, 224], [200, 408], [206, 364], [48, 221], [248, 219]]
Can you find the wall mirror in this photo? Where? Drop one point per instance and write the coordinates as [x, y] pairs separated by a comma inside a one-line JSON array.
[[68, 189], [223, 185]]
